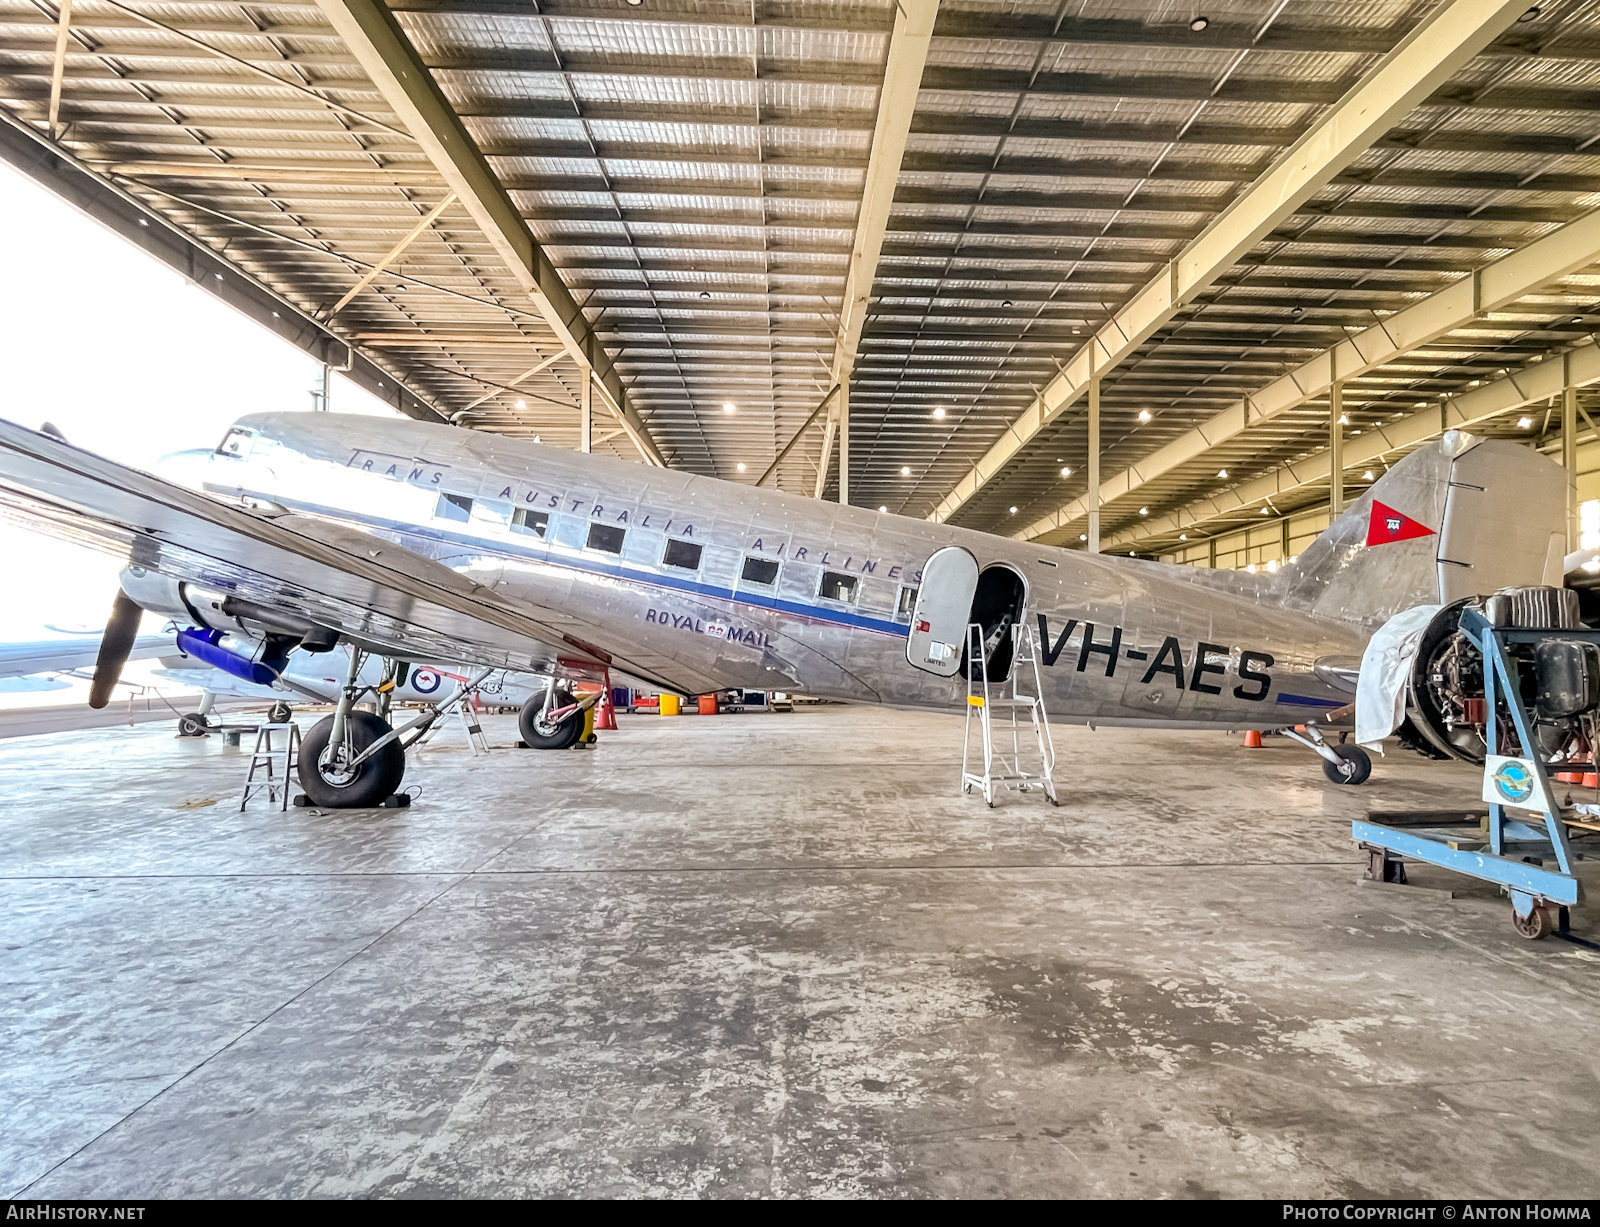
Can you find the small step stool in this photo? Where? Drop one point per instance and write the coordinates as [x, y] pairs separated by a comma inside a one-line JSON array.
[[1002, 768], [265, 761]]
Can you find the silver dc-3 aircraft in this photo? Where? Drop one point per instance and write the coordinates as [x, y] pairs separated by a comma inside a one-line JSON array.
[[416, 542]]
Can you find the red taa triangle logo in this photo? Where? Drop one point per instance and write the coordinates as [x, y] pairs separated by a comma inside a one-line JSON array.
[[1388, 525]]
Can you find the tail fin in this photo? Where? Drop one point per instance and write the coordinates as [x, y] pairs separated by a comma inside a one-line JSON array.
[[1461, 517]]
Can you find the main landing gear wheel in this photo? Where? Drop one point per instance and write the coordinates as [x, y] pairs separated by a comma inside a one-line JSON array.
[[330, 783], [541, 736], [1355, 768], [192, 724]]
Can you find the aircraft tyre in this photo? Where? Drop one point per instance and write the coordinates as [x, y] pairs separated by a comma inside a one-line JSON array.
[[279, 713], [1355, 769], [540, 736], [372, 782], [192, 724]]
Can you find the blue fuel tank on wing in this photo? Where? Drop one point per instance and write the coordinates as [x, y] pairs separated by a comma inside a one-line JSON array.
[[211, 647]]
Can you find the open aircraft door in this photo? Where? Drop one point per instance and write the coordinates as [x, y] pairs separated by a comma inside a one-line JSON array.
[[939, 618]]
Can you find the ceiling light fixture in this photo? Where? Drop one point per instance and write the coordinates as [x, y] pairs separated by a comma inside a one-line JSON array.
[[882, 510], [1531, 15], [1343, 420], [1222, 472], [1183, 536], [1524, 423], [905, 470], [1367, 476], [938, 414], [1066, 472], [1144, 511], [1083, 536], [705, 293], [1144, 415], [1200, 23], [727, 406], [522, 404], [741, 466], [1013, 511]]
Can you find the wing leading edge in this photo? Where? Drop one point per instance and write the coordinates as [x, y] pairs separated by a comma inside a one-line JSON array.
[[372, 591]]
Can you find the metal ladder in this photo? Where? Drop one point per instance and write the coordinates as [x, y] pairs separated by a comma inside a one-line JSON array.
[[265, 760], [1003, 769]]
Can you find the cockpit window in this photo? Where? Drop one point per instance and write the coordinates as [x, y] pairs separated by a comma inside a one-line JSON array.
[[236, 442], [454, 507]]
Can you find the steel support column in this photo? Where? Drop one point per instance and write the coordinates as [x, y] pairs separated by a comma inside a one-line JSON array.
[[1569, 447], [1335, 450], [844, 441], [1094, 465], [586, 410]]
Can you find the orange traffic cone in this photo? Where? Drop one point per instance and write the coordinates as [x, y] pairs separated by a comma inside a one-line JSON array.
[[608, 713], [1252, 739]]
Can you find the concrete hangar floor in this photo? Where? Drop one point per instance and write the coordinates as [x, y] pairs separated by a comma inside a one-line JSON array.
[[768, 955]]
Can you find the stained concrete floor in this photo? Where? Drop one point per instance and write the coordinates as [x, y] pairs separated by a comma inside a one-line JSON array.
[[768, 955]]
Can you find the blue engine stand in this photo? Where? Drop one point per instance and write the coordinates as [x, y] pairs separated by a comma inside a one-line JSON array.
[[1518, 843]]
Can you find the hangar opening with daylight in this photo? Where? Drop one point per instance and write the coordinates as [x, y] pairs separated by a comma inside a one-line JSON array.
[[800, 599]]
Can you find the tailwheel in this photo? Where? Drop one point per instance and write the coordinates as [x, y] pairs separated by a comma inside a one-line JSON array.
[[279, 713], [332, 777], [1354, 767]]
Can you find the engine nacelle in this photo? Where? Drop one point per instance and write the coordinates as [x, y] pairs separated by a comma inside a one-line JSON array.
[[1558, 679], [255, 660]]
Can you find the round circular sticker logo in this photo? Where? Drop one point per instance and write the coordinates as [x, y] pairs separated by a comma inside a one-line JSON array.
[[1514, 782], [424, 681]]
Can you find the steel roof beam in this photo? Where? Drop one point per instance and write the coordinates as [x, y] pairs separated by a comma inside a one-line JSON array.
[[897, 100], [1439, 45], [1573, 247], [371, 33], [1541, 381]]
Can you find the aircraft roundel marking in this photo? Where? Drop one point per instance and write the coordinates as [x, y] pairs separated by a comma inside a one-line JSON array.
[[1388, 525], [424, 681]]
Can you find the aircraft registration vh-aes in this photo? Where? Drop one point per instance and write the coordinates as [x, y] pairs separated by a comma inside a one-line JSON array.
[[423, 542]]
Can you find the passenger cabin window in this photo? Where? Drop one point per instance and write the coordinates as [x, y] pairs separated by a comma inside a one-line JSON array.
[[685, 554], [907, 602], [236, 443], [606, 537], [837, 587], [453, 507], [534, 523], [760, 571]]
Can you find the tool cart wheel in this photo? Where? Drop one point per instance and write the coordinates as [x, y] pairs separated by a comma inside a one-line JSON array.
[[1539, 922]]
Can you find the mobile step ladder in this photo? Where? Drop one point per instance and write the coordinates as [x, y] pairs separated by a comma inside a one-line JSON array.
[[1525, 828], [994, 705]]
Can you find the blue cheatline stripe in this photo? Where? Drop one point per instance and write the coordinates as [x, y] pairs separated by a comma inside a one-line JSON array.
[[1300, 700], [649, 579]]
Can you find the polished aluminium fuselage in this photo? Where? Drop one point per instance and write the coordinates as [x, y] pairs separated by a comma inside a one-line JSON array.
[[1124, 640]]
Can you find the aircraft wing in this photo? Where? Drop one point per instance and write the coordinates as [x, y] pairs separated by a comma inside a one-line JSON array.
[[374, 592], [62, 655]]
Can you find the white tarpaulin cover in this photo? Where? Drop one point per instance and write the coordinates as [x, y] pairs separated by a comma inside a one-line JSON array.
[[1385, 665]]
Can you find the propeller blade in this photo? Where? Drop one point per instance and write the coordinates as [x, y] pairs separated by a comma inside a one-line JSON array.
[[121, 630]]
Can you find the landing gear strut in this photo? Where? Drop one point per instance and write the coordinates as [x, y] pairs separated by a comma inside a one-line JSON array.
[[1342, 762], [356, 759]]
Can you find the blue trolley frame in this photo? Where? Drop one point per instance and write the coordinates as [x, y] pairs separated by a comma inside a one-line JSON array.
[[1510, 838]]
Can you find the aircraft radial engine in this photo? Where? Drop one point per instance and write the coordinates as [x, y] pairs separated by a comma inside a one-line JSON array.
[[1559, 679]]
